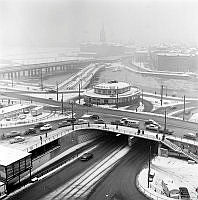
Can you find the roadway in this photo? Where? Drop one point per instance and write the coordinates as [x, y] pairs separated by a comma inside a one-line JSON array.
[[109, 115], [45, 187], [121, 182]]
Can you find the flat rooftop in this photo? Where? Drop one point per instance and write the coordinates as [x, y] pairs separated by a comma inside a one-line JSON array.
[[9, 155], [118, 85]]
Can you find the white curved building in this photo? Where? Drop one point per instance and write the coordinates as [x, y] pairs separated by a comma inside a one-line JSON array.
[[112, 92]]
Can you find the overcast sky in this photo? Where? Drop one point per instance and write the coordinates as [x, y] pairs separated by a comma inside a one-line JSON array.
[[70, 22]]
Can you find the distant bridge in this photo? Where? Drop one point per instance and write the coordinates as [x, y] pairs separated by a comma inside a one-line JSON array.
[[30, 70]]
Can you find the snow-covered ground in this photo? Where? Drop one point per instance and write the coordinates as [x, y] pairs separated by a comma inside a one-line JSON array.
[[174, 172]]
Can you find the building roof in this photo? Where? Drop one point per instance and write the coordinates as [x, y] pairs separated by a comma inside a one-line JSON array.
[[112, 85], [12, 108], [10, 155]]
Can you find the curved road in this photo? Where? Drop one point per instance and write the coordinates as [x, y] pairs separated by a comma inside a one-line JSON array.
[[120, 184], [45, 186]]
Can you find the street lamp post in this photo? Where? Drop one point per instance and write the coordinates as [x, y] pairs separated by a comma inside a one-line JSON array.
[[142, 97], [161, 94], [72, 104], [117, 97], [57, 91], [79, 94]]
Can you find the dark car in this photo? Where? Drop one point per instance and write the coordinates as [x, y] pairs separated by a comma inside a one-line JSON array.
[[30, 131], [38, 125], [86, 156], [166, 131], [87, 104], [71, 120], [94, 116]]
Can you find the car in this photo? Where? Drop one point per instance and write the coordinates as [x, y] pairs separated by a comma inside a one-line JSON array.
[[117, 122], [26, 112], [46, 127], [152, 127], [124, 119], [38, 125], [30, 131], [71, 120], [8, 119], [51, 91], [17, 139], [13, 134], [22, 116], [88, 104], [151, 121], [94, 116], [86, 156], [166, 131], [64, 123], [132, 123], [99, 121]]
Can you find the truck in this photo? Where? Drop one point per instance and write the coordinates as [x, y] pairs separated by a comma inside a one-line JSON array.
[[37, 111]]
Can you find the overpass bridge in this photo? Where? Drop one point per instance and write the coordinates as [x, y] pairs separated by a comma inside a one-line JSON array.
[[168, 141]]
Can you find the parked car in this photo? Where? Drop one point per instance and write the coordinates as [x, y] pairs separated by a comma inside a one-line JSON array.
[[38, 125], [13, 134], [64, 123], [152, 127], [99, 121], [17, 139], [46, 127], [123, 120], [166, 131], [30, 131], [86, 156]]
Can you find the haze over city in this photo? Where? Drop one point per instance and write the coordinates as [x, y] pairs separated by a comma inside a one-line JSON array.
[[70, 22]]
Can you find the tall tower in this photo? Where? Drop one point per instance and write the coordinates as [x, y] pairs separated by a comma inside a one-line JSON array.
[[102, 35]]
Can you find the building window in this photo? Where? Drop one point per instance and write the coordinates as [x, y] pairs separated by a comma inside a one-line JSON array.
[[106, 101]]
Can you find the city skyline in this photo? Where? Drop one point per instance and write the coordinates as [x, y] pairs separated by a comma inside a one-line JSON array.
[[69, 23]]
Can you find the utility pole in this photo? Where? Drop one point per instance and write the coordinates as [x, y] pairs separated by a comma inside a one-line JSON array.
[[184, 107], [142, 97], [161, 94], [41, 78], [79, 94], [117, 97], [149, 164], [57, 91], [62, 107], [166, 90]]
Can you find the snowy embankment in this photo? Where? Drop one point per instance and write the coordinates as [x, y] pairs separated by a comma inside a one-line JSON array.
[[174, 172]]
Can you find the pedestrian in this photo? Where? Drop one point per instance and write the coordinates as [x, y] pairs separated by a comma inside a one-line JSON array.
[[41, 139], [46, 134]]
